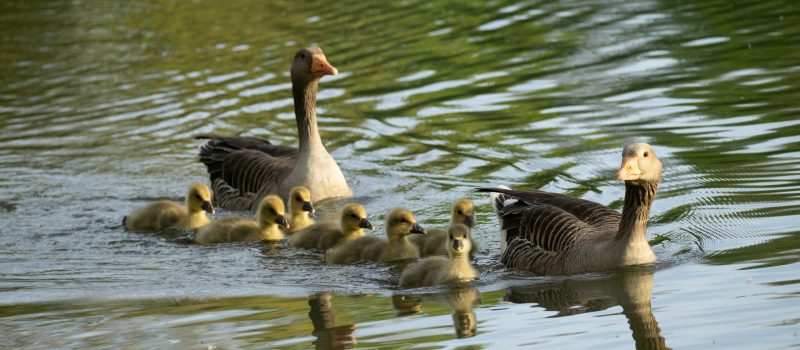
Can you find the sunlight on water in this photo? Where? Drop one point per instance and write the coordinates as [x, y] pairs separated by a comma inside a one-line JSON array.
[[100, 101]]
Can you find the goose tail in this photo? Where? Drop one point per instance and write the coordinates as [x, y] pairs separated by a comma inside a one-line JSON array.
[[498, 202]]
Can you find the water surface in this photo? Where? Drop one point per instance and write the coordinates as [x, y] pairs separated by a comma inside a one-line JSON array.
[[100, 100]]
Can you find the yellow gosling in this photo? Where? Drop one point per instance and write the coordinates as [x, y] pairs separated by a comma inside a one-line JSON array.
[[269, 219], [161, 215]]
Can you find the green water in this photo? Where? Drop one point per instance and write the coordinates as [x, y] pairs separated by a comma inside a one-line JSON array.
[[99, 101]]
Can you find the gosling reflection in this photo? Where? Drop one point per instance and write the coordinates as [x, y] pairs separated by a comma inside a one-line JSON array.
[[461, 301], [632, 289], [323, 318]]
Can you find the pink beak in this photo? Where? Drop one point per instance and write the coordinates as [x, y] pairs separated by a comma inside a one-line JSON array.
[[629, 170], [320, 66]]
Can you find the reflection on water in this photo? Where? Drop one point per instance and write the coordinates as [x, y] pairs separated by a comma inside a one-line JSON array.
[[99, 101], [632, 289], [323, 318], [461, 300]]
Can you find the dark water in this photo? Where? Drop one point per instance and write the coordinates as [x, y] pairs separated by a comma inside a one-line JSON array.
[[99, 101]]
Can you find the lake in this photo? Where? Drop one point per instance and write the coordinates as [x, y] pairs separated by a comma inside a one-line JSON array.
[[100, 101]]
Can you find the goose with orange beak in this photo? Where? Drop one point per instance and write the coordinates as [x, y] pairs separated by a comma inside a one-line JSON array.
[[554, 234]]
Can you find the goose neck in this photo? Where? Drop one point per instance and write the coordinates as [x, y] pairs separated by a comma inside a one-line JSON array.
[[636, 209], [305, 111]]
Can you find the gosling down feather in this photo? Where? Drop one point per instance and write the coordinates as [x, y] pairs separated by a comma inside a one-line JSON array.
[[243, 170], [434, 242], [267, 227], [399, 224], [301, 208], [326, 235], [436, 270], [553, 234], [166, 214]]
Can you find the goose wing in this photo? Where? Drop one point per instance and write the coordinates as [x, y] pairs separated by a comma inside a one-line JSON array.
[[541, 226], [244, 169], [594, 214]]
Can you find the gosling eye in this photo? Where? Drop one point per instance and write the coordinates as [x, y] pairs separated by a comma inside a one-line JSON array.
[[298, 198], [460, 212], [302, 55], [404, 220], [198, 197], [354, 216], [272, 211], [646, 154]]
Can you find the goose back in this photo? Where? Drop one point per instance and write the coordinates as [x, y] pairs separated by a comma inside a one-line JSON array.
[[547, 232]]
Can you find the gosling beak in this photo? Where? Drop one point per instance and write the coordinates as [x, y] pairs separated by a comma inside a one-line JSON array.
[[469, 221], [364, 223], [629, 170], [416, 228], [307, 206], [207, 207], [281, 221], [320, 66], [458, 244]]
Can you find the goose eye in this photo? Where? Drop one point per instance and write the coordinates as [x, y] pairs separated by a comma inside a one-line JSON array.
[[403, 220], [302, 55], [272, 211], [460, 212], [198, 197], [353, 216], [646, 153], [298, 198]]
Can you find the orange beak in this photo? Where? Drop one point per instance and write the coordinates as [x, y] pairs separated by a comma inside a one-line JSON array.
[[320, 66], [629, 170]]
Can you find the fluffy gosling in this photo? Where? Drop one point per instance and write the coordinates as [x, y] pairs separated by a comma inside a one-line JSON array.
[[269, 219], [166, 214], [399, 224], [326, 235], [436, 270]]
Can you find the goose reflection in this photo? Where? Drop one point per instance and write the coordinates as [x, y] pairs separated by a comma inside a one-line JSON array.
[[632, 289], [461, 301], [323, 318]]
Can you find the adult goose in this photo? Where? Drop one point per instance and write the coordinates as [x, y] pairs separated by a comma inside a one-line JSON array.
[[553, 234], [243, 170]]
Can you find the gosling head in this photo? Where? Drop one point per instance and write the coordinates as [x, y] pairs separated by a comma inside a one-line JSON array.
[[310, 64], [199, 199], [300, 200], [458, 242], [463, 212], [639, 164], [400, 223], [354, 218], [271, 212]]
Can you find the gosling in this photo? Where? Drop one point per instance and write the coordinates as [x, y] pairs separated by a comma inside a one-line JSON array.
[[166, 214], [434, 243], [300, 208], [235, 229], [328, 234], [436, 270], [399, 224]]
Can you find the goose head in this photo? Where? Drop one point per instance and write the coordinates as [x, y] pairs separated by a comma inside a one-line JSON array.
[[639, 164], [198, 199], [310, 64], [354, 218], [300, 201], [271, 212], [458, 242], [400, 222], [464, 212]]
